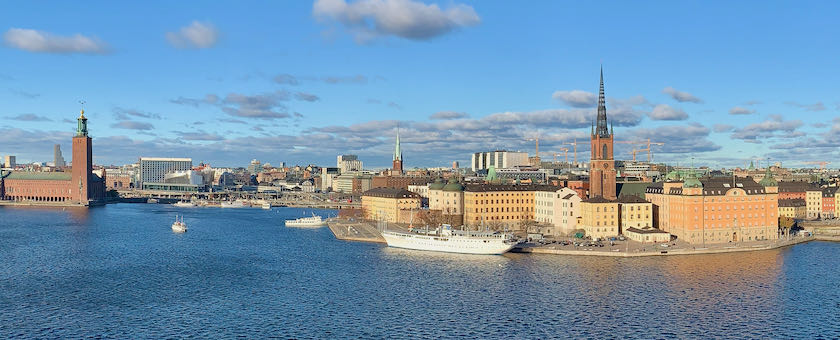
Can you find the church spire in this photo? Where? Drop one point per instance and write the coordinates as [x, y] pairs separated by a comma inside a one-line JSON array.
[[602, 110], [397, 152]]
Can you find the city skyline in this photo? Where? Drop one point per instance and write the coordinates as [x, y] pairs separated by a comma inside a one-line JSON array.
[[304, 82]]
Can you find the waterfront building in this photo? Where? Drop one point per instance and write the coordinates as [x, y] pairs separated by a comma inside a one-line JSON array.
[[498, 159], [599, 217], [499, 205], [647, 235], [154, 169], [601, 164], [557, 211], [447, 199], [793, 208], [716, 209], [828, 205], [813, 202], [58, 159], [390, 204], [348, 163], [636, 212], [80, 186]]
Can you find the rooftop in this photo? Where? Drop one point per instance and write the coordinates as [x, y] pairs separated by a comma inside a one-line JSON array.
[[390, 193], [41, 176]]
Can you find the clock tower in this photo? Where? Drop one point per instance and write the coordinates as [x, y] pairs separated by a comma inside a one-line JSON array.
[[601, 162]]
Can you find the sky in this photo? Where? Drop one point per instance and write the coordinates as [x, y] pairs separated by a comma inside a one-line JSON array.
[[300, 82]]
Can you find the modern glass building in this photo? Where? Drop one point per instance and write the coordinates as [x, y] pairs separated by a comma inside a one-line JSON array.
[[154, 170]]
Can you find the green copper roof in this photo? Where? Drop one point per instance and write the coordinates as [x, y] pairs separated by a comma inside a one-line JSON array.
[[491, 174], [768, 180], [453, 185], [691, 181], [674, 175], [42, 176], [397, 151], [437, 185]]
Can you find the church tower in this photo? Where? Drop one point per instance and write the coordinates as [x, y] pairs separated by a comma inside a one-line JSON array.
[[82, 162], [397, 168], [601, 162]]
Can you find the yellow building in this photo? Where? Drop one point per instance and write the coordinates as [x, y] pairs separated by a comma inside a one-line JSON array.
[[448, 199], [793, 208], [813, 202], [390, 204], [599, 217], [647, 235], [499, 205], [635, 213]]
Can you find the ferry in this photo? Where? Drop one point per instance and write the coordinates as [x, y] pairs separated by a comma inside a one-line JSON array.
[[184, 204], [179, 226], [233, 204], [314, 221], [445, 239]]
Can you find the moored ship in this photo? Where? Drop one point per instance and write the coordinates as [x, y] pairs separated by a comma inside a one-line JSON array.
[[445, 239], [314, 221]]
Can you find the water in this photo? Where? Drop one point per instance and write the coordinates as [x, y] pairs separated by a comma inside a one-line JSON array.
[[119, 272]]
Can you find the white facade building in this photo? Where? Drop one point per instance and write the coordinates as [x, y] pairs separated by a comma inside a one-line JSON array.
[[557, 211], [422, 190], [154, 169], [348, 163], [498, 159]]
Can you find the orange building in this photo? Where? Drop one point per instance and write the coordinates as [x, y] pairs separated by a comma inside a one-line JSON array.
[[79, 186], [601, 163], [716, 210]]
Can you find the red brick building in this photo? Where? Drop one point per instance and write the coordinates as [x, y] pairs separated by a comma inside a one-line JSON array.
[[79, 186], [792, 190], [601, 162]]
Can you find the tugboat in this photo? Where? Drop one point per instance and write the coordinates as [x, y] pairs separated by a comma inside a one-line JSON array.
[[179, 226]]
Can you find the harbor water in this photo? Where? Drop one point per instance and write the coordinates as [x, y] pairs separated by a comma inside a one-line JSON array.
[[120, 272]]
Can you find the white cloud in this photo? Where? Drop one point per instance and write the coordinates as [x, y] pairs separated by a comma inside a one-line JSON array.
[[681, 96], [818, 106], [576, 98], [740, 111], [44, 42], [369, 19], [666, 112], [443, 115], [196, 35]]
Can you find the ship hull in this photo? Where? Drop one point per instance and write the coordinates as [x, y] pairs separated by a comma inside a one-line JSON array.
[[448, 244]]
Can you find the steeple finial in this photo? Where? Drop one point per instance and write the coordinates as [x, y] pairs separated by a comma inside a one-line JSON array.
[[397, 151], [81, 128]]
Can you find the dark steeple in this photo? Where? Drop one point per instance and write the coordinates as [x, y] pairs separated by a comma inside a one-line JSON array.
[[602, 129]]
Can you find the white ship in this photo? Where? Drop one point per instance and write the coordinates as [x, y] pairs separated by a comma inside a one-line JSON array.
[[184, 204], [266, 206], [444, 239], [314, 221], [179, 226], [233, 204]]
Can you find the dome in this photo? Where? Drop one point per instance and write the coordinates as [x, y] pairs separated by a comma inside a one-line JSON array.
[[674, 175], [692, 182], [768, 180], [453, 185], [437, 185]]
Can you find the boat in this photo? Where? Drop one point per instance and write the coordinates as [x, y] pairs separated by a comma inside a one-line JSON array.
[[184, 204], [233, 204], [152, 201], [445, 239], [314, 221], [179, 226], [266, 206]]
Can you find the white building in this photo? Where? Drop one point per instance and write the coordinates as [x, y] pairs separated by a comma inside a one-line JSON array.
[[422, 190], [348, 163], [154, 169], [557, 211], [498, 159]]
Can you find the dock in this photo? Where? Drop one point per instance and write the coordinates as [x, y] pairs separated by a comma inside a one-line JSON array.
[[355, 230]]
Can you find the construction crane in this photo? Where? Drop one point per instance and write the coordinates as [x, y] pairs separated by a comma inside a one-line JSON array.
[[821, 164], [565, 155], [575, 144], [647, 142]]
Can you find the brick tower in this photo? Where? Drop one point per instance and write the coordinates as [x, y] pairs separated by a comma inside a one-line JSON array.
[[601, 162], [82, 163]]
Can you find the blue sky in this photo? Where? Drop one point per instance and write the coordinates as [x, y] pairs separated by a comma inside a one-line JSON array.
[[301, 82]]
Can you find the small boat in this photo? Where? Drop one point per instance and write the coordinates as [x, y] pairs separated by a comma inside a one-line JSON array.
[[314, 221], [179, 226], [233, 204], [152, 201], [266, 206], [184, 204]]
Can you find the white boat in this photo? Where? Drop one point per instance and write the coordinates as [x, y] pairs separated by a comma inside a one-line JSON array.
[[152, 200], [179, 226], [266, 206], [314, 221], [445, 239], [233, 204], [184, 204]]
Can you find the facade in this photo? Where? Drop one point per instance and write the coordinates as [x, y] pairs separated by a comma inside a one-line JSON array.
[[793, 208], [836, 205], [361, 183], [399, 182], [422, 190], [154, 170], [58, 159], [448, 199], [254, 167], [499, 159], [79, 186], [557, 210], [716, 209], [599, 217], [9, 162], [647, 235], [348, 163], [792, 190], [343, 183], [635, 213], [813, 202], [828, 204], [601, 164], [389, 204], [499, 204]]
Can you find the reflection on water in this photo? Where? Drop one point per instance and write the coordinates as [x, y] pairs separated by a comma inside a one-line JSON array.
[[119, 272]]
